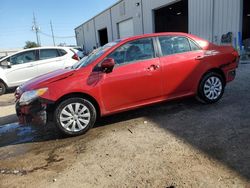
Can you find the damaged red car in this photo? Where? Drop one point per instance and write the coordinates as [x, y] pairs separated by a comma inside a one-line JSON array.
[[127, 74]]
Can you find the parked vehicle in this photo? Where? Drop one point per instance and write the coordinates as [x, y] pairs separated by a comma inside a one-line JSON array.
[[79, 51], [27, 64], [127, 74]]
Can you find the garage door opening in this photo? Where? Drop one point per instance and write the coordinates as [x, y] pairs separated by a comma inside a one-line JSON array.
[[126, 28], [172, 18], [246, 20], [103, 36]]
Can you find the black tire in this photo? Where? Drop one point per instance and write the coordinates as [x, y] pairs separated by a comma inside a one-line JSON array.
[[2, 88], [63, 109], [203, 91]]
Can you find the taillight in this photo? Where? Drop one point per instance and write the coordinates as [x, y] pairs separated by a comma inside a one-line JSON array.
[[75, 57]]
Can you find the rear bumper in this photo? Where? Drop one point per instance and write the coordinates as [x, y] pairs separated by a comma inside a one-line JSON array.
[[229, 71], [34, 113]]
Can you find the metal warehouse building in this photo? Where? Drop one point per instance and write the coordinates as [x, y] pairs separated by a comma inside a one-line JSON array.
[[210, 19]]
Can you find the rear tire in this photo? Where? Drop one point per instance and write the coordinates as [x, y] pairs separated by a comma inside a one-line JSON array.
[[2, 88], [75, 116], [211, 88]]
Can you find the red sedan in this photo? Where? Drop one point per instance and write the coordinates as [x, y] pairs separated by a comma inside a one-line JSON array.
[[127, 74]]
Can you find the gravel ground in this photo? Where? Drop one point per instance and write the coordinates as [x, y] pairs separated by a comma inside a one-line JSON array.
[[175, 144]]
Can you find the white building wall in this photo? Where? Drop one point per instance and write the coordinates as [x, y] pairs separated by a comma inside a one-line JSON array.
[[79, 36], [124, 10], [102, 21], [200, 19], [89, 35], [209, 19], [227, 18]]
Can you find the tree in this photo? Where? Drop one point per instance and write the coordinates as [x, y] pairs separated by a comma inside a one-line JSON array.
[[30, 44]]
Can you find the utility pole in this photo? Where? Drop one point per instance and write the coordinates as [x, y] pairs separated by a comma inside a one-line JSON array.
[[52, 31], [36, 29]]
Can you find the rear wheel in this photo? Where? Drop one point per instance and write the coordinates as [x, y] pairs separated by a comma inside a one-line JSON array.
[[211, 88], [2, 88], [75, 116]]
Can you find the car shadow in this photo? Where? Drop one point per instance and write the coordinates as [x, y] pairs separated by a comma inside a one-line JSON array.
[[226, 139], [221, 131]]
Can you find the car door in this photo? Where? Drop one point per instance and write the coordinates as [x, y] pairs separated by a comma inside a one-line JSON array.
[[136, 77], [182, 61], [22, 68], [49, 60]]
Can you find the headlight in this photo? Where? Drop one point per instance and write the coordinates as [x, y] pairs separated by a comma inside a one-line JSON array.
[[29, 96]]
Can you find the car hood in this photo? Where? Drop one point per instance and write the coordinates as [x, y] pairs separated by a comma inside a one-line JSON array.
[[44, 80]]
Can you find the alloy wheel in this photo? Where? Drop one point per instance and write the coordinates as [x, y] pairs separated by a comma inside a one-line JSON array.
[[75, 117], [213, 88]]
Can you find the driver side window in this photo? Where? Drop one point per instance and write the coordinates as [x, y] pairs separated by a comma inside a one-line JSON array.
[[138, 50], [24, 57]]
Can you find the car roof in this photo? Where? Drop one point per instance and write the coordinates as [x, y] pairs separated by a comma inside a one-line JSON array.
[[37, 48], [202, 42], [160, 34]]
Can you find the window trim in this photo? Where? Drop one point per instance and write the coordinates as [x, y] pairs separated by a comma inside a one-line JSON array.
[[189, 39]]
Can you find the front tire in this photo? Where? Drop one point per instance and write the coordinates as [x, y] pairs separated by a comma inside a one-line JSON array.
[[75, 116], [2, 88], [211, 88]]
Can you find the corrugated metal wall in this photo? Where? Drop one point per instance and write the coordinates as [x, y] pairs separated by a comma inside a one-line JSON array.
[[89, 35], [227, 16], [200, 18], [125, 10], [211, 19], [79, 36], [103, 21]]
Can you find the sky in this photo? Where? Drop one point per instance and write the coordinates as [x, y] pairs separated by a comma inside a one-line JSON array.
[[16, 20]]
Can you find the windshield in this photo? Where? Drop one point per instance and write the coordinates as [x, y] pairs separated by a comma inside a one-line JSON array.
[[95, 54]]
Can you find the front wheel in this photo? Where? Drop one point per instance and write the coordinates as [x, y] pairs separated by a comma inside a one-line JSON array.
[[75, 116], [211, 88]]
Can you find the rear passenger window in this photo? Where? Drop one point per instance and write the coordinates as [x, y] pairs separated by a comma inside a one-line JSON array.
[[48, 54], [62, 52], [174, 45]]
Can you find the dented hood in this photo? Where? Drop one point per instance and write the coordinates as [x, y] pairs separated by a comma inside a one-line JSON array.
[[44, 80]]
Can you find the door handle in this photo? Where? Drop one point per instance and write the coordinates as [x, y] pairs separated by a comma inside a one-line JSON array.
[[200, 57], [153, 67]]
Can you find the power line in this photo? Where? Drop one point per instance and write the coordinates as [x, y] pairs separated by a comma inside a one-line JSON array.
[[62, 37]]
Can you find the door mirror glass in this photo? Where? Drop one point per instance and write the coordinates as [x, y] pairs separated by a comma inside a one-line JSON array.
[[107, 65], [6, 63]]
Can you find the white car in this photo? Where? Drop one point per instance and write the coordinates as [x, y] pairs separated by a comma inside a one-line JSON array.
[[79, 52], [27, 64]]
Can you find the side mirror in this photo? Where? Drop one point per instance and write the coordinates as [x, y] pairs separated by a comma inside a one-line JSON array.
[[6, 64], [107, 65]]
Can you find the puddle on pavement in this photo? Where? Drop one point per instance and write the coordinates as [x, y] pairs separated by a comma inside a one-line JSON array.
[[14, 133], [20, 136]]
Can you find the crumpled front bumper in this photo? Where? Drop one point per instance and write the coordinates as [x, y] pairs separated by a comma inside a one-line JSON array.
[[34, 113]]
